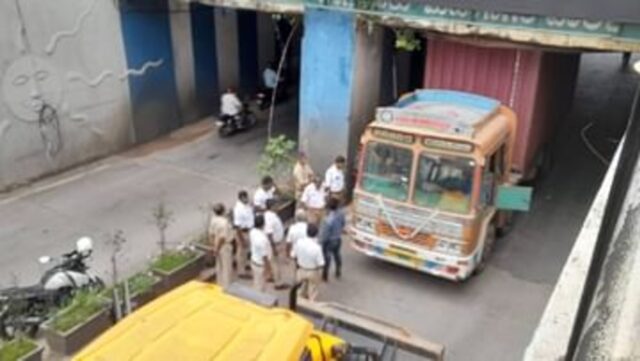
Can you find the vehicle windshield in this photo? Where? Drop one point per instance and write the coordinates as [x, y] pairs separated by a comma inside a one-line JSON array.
[[444, 183], [387, 170]]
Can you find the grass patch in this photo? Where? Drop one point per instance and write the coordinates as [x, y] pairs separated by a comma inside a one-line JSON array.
[[172, 260], [138, 284], [14, 350], [84, 305]]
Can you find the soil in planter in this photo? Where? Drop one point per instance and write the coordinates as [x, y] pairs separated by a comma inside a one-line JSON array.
[[14, 350]]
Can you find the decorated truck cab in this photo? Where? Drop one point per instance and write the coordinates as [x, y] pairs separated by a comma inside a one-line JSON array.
[[435, 182]]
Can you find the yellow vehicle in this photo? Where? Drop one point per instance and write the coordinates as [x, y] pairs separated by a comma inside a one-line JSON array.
[[199, 321], [435, 181]]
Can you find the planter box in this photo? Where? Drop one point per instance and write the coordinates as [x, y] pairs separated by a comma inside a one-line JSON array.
[[35, 355], [209, 259], [139, 299], [186, 273], [69, 342]]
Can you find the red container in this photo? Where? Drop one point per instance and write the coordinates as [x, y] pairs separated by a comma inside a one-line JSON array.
[[537, 85]]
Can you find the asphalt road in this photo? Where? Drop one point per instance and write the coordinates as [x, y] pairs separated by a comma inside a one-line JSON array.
[[490, 317]]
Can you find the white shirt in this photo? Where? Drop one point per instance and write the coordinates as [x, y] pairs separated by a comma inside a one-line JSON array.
[[260, 246], [230, 104], [270, 78], [273, 226], [308, 253], [260, 197], [297, 231], [334, 179], [242, 215], [313, 197]]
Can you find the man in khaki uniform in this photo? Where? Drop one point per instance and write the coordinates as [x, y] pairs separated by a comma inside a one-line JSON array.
[[309, 261], [221, 238], [313, 200], [302, 174]]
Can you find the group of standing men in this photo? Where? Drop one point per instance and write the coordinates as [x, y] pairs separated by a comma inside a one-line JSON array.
[[259, 236]]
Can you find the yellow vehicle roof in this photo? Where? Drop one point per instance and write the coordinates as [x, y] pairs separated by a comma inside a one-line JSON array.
[[198, 321]]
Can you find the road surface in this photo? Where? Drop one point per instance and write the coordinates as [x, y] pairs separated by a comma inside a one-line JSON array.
[[490, 317]]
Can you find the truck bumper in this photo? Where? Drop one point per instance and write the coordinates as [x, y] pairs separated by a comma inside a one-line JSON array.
[[440, 265]]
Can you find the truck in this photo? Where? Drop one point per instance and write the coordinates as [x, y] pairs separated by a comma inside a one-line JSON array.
[[202, 321], [436, 182]]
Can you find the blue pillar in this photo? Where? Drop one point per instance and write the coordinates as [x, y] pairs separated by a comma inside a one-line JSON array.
[[146, 33], [340, 85]]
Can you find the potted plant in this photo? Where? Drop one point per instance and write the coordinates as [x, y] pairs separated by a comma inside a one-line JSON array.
[[21, 349], [143, 287], [175, 267], [77, 324], [278, 160]]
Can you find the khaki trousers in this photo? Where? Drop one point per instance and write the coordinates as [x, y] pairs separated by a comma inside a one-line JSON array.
[[279, 257], [242, 251], [224, 265], [259, 277], [311, 279]]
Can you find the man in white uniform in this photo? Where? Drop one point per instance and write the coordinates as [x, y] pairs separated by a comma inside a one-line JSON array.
[[274, 229], [298, 230], [220, 238], [230, 105], [261, 254], [266, 191], [309, 260], [334, 179], [314, 201], [243, 222]]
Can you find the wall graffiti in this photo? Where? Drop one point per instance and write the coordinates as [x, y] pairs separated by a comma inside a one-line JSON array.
[[33, 87]]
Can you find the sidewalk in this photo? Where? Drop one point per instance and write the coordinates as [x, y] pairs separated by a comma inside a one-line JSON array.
[[186, 170]]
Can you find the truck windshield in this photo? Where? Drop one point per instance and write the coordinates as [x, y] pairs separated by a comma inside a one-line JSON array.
[[387, 169], [444, 183]]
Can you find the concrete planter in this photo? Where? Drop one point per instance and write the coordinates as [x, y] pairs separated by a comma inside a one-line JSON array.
[[69, 342], [139, 299], [35, 355], [209, 259], [185, 273]]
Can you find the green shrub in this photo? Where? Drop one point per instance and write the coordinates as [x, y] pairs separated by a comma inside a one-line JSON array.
[[14, 350], [83, 305], [138, 283], [170, 261]]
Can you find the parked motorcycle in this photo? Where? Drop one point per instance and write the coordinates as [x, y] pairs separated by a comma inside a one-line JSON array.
[[23, 309], [228, 125]]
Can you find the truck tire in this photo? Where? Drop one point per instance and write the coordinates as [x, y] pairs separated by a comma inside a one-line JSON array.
[[487, 250]]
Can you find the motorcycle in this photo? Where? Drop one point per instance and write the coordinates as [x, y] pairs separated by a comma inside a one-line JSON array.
[[23, 309], [264, 97], [228, 125]]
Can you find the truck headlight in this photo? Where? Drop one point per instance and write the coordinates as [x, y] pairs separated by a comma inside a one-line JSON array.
[[449, 247], [365, 224]]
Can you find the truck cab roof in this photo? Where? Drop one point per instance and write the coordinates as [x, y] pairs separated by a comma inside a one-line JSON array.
[[454, 115], [199, 321]]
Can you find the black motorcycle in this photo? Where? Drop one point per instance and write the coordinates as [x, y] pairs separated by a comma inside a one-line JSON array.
[[23, 309], [228, 125]]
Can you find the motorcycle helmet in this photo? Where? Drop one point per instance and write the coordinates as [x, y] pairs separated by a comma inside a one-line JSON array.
[[84, 246]]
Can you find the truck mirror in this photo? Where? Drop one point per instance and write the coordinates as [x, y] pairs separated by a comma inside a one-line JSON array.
[[513, 198]]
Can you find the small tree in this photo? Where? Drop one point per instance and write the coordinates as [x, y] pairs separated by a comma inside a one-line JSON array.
[[162, 218], [115, 243], [278, 160]]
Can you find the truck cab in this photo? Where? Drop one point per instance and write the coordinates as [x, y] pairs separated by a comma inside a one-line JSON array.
[[432, 173]]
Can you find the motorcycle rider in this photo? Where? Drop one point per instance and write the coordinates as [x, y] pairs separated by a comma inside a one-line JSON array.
[[230, 105]]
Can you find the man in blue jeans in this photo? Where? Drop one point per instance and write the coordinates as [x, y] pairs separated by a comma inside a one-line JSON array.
[[331, 237]]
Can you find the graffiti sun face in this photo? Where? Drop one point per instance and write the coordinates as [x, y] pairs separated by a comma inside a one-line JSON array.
[[28, 83]]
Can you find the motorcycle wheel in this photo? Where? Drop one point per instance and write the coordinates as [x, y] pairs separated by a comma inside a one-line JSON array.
[[225, 131], [251, 120]]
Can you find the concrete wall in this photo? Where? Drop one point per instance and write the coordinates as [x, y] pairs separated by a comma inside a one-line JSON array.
[[72, 58]]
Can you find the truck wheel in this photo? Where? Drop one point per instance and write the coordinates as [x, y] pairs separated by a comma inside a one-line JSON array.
[[489, 242]]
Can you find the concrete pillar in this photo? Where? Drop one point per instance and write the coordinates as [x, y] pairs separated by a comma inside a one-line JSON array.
[[340, 85], [248, 51], [182, 44], [226, 30], [205, 59], [266, 40]]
